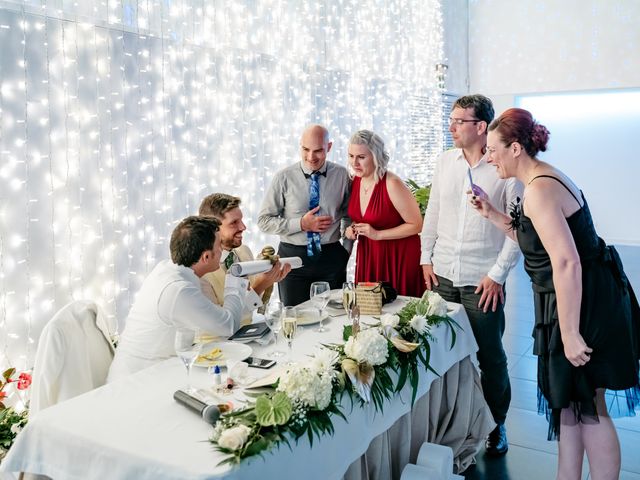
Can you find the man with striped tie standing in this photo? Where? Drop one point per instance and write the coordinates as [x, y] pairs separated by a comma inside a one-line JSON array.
[[306, 205]]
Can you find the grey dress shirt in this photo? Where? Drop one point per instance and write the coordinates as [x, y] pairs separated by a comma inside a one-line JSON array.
[[287, 200]]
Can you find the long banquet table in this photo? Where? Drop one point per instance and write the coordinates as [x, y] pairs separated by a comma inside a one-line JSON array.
[[133, 428]]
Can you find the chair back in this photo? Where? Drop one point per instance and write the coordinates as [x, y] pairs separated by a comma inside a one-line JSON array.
[[73, 356]]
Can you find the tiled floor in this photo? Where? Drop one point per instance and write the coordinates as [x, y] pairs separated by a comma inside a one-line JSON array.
[[531, 456]]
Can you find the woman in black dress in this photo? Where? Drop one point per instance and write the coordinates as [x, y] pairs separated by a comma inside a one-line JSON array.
[[587, 320]]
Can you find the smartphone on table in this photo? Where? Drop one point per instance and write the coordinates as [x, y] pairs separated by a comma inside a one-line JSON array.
[[256, 362]]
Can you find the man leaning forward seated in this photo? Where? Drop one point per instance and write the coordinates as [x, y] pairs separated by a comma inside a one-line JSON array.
[[226, 208], [171, 297]]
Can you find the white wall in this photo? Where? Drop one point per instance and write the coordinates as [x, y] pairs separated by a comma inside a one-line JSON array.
[[553, 45], [528, 47], [456, 44]]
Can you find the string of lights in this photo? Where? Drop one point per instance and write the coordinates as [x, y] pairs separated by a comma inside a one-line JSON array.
[[118, 116]]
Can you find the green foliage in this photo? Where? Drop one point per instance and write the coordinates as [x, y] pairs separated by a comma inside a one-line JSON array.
[[346, 332], [273, 411], [421, 194], [11, 422]]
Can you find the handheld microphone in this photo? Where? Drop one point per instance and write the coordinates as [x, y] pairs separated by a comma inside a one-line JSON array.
[[209, 413]]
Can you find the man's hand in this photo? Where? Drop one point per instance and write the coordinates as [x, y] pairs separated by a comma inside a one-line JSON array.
[[262, 281], [491, 293], [311, 222], [430, 278]]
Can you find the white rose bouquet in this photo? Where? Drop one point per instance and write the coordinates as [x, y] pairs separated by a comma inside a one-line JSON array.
[[234, 438]]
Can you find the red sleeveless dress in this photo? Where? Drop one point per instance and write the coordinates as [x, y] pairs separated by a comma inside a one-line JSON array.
[[395, 261]]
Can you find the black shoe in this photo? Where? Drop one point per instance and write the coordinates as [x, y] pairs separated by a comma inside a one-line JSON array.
[[496, 443]]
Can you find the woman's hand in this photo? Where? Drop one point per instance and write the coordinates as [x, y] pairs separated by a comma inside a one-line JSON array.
[[366, 230], [350, 233], [576, 350], [480, 201]]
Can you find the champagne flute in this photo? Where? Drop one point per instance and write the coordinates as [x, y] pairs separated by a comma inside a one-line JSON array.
[[348, 296], [187, 349], [289, 327], [319, 293], [273, 319]]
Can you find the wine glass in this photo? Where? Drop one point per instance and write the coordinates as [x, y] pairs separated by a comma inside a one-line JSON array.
[[289, 327], [273, 319], [348, 296], [319, 293], [187, 349]]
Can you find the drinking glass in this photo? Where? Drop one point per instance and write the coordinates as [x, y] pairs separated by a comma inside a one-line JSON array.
[[319, 293], [187, 349], [273, 319], [289, 327], [348, 296]]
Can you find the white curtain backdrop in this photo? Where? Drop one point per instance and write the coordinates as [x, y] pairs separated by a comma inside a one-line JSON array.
[[117, 117]]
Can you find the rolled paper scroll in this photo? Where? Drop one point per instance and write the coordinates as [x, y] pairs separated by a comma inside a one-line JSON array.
[[242, 269]]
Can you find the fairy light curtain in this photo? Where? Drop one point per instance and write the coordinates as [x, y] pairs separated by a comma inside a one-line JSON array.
[[117, 117]]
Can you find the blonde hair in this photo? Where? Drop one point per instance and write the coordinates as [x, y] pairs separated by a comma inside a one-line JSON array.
[[375, 144]]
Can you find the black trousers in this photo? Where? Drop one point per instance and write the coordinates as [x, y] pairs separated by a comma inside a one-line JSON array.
[[488, 329], [330, 266]]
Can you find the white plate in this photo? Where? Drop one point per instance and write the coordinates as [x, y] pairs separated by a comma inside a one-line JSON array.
[[335, 304], [230, 351], [309, 316]]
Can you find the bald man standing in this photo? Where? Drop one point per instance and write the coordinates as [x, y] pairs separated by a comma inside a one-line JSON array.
[[306, 205]]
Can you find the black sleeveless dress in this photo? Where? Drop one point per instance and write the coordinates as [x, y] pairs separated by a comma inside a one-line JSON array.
[[609, 324]]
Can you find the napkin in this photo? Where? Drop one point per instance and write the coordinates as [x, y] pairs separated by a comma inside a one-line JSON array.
[[239, 371]]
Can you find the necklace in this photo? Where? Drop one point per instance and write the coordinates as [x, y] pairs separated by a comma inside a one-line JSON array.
[[366, 189]]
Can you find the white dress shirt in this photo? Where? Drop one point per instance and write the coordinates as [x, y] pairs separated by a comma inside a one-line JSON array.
[[461, 245], [171, 297]]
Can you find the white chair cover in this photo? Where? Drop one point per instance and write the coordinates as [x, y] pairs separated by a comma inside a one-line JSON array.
[[73, 356]]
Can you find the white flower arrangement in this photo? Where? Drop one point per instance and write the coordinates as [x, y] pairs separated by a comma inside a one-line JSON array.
[[369, 346], [324, 362], [308, 395], [389, 320], [307, 385], [234, 438], [419, 323], [437, 305]]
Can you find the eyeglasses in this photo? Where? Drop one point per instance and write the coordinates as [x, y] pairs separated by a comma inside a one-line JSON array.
[[460, 121]]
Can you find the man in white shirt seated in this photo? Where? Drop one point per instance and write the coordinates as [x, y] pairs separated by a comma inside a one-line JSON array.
[[171, 297], [226, 208], [467, 261]]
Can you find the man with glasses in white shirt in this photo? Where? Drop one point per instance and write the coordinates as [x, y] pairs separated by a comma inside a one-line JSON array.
[[464, 259]]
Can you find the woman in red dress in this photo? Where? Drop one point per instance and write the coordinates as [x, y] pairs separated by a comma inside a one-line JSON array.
[[386, 219]]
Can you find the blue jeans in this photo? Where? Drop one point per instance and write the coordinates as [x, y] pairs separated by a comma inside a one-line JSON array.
[[488, 329]]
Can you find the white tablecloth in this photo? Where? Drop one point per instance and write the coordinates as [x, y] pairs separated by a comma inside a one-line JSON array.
[[134, 429]]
